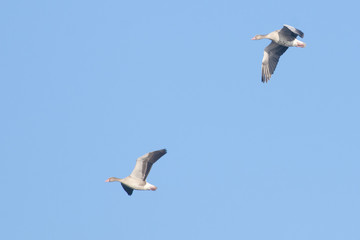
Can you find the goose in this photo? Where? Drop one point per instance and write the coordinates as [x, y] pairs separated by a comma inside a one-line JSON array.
[[281, 40], [137, 179]]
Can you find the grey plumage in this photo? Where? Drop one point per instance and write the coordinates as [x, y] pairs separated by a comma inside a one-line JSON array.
[[127, 189], [289, 30], [281, 40], [271, 58], [144, 164], [137, 178]]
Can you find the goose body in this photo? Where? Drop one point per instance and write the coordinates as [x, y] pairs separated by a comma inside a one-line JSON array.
[[281, 40], [137, 178]]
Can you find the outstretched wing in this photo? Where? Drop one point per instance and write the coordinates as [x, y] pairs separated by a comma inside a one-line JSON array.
[[144, 164], [270, 60], [290, 33], [127, 189]]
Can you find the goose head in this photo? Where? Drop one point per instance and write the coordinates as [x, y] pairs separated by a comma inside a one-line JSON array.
[[113, 179], [258, 37]]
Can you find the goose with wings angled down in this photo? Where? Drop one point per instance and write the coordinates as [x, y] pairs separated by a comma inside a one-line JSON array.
[[281, 40]]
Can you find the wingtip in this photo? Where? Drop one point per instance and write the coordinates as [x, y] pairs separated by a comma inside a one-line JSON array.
[[265, 79]]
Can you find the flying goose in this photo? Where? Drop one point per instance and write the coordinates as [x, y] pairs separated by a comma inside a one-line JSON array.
[[137, 179], [280, 41]]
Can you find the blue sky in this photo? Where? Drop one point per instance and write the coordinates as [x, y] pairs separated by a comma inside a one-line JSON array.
[[89, 86]]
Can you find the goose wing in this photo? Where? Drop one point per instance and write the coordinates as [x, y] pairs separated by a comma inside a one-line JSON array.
[[127, 189], [271, 58], [289, 33], [145, 162]]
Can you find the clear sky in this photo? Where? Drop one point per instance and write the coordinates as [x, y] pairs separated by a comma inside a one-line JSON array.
[[88, 86]]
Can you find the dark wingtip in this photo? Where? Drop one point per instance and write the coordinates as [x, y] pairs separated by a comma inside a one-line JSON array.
[[164, 151], [264, 79]]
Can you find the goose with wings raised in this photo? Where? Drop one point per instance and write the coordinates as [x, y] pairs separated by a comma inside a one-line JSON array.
[[137, 179]]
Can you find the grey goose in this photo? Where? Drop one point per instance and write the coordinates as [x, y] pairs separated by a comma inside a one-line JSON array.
[[137, 179], [281, 40]]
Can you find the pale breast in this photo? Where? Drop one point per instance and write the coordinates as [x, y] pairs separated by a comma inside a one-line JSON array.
[[134, 183]]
